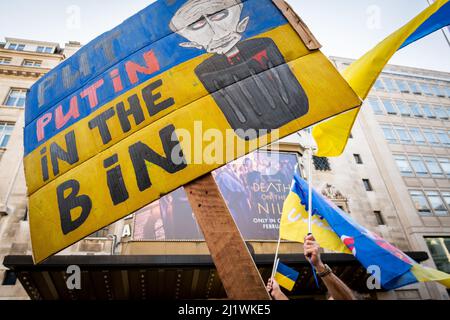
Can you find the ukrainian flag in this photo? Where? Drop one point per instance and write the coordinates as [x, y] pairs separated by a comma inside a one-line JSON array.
[[294, 221], [285, 276], [332, 135], [397, 269]]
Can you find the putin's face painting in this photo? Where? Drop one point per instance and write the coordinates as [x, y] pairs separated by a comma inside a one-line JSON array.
[[214, 26]]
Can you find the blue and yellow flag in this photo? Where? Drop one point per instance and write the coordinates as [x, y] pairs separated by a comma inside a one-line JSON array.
[[339, 231], [294, 222], [332, 135], [285, 276]]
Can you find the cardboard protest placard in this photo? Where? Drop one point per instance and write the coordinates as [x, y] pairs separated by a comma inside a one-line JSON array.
[[174, 92]]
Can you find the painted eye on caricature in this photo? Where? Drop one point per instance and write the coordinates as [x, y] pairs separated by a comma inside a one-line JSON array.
[[200, 23], [219, 15]]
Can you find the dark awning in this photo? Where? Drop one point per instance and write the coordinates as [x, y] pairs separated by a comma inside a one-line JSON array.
[[165, 276]]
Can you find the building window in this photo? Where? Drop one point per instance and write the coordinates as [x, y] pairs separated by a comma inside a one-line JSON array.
[[102, 233], [390, 85], [417, 135], [433, 167], [403, 135], [431, 137], [445, 165], [358, 158], [379, 86], [16, 46], [436, 203], [31, 63], [6, 130], [389, 134], [389, 106], [321, 163], [418, 166], [403, 108], [426, 89], [25, 216], [403, 165], [43, 49], [9, 279], [402, 85], [443, 137], [415, 109], [428, 111], [414, 87], [440, 252], [5, 60], [441, 112], [446, 90], [376, 106], [446, 197], [439, 91], [367, 185], [16, 98], [379, 217], [422, 167], [420, 202]]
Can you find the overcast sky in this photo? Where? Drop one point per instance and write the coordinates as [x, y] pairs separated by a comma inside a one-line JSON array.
[[346, 28]]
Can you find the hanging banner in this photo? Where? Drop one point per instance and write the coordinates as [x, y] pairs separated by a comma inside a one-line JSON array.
[[174, 92], [254, 188]]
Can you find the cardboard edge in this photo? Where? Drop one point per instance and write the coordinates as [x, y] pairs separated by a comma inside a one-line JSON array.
[[297, 23]]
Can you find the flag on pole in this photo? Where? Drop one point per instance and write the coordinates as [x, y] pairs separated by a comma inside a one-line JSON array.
[[332, 135], [285, 276], [294, 221], [339, 232]]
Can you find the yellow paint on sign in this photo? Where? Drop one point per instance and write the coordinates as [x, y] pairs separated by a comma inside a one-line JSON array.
[[180, 82], [328, 95]]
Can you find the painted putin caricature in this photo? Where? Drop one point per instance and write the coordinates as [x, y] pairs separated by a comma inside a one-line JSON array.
[[212, 25], [248, 79]]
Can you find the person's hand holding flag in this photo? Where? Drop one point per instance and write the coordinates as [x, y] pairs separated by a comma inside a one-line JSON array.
[[336, 288], [312, 252], [273, 288], [311, 249]]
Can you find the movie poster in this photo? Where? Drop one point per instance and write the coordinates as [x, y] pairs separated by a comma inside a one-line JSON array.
[[254, 188]]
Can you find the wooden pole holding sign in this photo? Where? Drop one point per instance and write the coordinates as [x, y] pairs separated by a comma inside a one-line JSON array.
[[235, 266]]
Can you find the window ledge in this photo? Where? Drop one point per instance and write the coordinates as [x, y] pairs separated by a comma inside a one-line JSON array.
[[34, 72], [11, 107]]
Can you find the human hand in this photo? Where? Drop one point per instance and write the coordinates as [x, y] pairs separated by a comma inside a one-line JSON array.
[[312, 252], [273, 288]]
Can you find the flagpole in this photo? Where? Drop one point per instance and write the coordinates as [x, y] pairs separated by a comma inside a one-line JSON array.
[[274, 268], [308, 145], [310, 155], [310, 208], [430, 2]]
